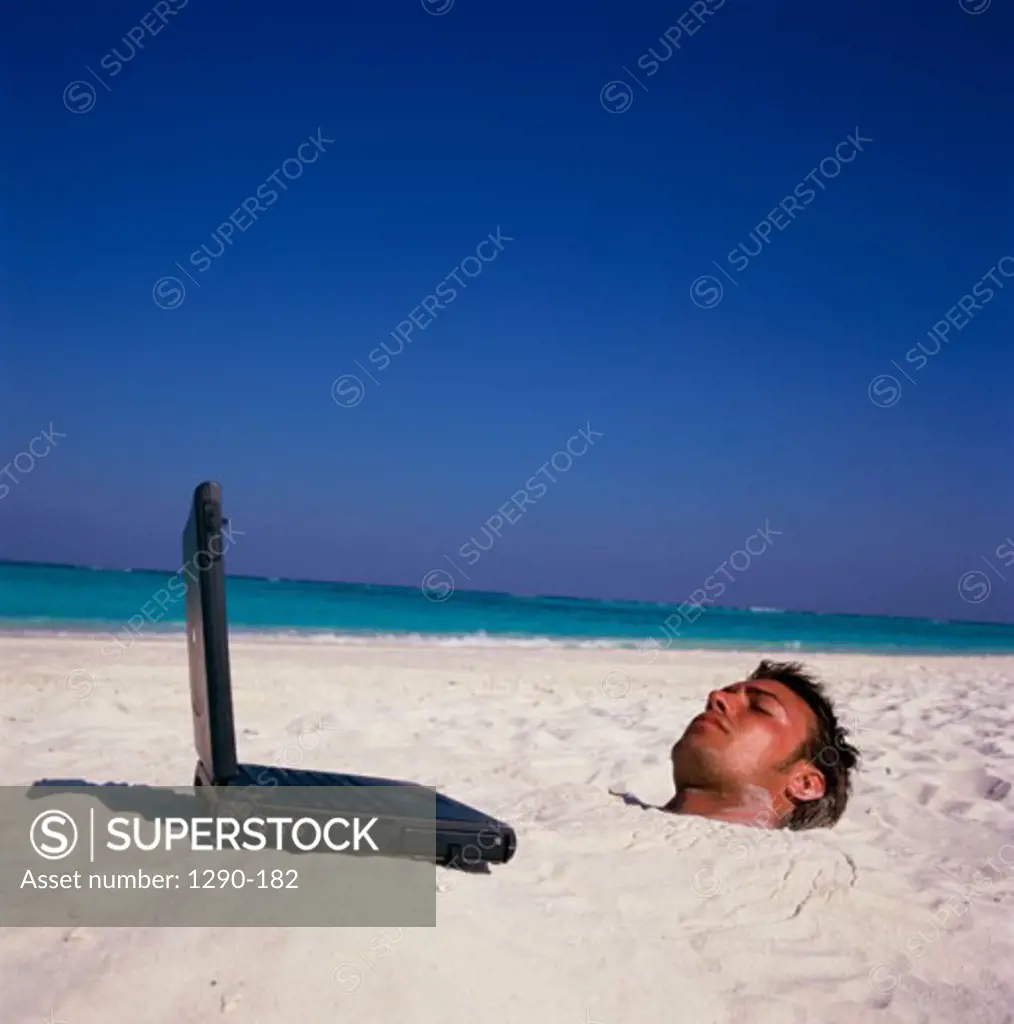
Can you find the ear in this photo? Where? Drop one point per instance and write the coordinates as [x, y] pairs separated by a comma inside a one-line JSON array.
[[806, 783]]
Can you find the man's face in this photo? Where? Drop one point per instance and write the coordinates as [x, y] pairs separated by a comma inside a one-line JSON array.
[[744, 737]]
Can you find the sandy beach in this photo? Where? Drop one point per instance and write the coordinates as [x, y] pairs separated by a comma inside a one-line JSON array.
[[608, 913]]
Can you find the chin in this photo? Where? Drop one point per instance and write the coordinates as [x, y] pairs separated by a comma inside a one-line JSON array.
[[694, 764], [682, 752], [686, 763], [695, 747]]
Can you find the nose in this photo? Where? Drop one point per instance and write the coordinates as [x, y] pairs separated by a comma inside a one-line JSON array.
[[719, 702]]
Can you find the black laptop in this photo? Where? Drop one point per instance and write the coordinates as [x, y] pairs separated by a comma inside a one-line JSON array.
[[460, 835]]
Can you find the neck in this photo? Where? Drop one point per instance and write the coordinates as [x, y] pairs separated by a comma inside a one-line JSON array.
[[739, 807]]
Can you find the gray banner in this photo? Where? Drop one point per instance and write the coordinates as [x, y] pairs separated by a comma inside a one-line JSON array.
[[138, 856]]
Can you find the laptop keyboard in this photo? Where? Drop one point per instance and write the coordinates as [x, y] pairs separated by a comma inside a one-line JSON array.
[[374, 796]]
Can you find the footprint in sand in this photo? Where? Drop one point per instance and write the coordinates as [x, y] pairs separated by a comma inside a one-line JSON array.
[[228, 1003], [994, 788], [927, 793]]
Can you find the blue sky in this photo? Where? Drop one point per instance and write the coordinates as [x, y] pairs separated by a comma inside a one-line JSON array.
[[627, 177]]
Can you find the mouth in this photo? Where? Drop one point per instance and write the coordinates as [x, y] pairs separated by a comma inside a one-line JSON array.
[[709, 719]]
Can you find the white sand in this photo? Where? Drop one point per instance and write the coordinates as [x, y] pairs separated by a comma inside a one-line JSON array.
[[597, 918]]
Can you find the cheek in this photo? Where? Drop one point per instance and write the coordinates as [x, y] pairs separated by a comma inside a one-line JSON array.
[[759, 743]]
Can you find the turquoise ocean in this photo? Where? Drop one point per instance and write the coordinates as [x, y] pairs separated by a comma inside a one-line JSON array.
[[56, 598]]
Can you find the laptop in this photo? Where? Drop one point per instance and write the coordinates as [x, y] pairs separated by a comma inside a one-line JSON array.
[[457, 835]]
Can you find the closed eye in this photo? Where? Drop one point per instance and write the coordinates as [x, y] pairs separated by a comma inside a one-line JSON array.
[[764, 702]]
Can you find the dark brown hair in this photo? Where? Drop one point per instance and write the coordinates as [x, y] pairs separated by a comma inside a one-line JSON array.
[[828, 748]]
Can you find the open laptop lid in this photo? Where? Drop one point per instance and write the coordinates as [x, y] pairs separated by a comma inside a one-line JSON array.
[[207, 634]]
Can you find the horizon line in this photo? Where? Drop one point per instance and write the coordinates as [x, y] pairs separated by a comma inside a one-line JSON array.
[[506, 593]]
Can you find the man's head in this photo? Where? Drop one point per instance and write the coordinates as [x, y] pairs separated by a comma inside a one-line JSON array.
[[773, 739]]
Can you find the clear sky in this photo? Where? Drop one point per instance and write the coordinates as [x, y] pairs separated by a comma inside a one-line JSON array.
[[619, 170]]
